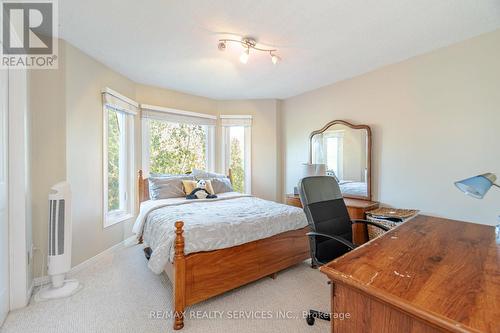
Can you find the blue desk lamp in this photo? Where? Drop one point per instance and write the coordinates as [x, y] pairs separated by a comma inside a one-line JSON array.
[[477, 186]]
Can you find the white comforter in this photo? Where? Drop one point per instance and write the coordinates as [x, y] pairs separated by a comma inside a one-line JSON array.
[[211, 224]]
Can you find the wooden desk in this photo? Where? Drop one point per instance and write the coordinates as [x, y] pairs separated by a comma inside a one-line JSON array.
[[427, 275], [357, 209]]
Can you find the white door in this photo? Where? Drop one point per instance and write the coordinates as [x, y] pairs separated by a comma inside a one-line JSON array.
[[4, 228]]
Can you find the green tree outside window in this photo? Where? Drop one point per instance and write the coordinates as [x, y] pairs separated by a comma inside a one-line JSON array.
[[177, 148], [114, 141], [237, 166]]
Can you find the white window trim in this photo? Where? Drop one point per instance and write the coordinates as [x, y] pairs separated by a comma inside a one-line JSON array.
[[237, 121], [235, 116], [176, 111], [120, 96], [145, 147], [340, 154], [340, 151], [210, 148], [128, 212], [248, 160]]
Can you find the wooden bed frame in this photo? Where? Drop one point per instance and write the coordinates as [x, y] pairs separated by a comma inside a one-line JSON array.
[[202, 275]]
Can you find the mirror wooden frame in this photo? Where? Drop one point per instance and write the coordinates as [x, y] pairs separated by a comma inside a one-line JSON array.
[[369, 153]]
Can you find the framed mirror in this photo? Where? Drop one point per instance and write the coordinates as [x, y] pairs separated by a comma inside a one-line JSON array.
[[345, 149]]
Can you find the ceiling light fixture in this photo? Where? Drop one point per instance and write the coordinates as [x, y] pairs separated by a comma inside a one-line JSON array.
[[248, 43]]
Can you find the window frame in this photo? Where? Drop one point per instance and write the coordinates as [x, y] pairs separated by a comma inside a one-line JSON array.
[[339, 135], [146, 154], [339, 148], [126, 182], [238, 121]]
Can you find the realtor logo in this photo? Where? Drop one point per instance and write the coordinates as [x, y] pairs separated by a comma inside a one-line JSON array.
[[29, 34]]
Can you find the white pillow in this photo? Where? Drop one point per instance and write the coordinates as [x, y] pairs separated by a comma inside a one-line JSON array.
[[202, 174]]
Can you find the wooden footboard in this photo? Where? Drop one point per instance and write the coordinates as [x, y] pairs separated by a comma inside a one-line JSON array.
[[199, 276], [179, 281]]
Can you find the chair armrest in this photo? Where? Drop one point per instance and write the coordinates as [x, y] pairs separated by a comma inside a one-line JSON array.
[[375, 224], [338, 239]]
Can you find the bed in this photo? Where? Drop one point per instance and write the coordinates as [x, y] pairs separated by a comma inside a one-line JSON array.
[[207, 247]]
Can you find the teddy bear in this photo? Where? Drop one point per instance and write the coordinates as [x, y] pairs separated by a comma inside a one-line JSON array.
[[200, 192]]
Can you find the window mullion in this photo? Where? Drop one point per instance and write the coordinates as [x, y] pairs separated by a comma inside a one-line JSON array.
[[105, 161]]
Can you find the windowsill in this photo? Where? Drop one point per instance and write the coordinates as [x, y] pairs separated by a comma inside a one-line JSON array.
[[114, 219]]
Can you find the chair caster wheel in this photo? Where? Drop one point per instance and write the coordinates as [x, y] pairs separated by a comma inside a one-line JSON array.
[[310, 320]]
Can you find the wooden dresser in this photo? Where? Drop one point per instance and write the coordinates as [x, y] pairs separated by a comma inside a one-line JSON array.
[[427, 275], [357, 210]]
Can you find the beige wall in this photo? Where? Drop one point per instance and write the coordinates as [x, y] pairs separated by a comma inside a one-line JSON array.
[[84, 80], [48, 149], [434, 118], [175, 100]]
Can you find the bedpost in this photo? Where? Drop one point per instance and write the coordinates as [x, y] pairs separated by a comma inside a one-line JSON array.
[[179, 277], [140, 188], [140, 196], [230, 176]]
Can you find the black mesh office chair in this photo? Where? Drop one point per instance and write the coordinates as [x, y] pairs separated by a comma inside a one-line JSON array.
[[330, 223]]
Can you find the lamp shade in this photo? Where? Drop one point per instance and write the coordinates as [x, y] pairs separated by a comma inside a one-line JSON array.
[[477, 186], [309, 170]]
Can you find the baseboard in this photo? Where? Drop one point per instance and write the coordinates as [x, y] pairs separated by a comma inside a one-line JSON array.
[[4, 305], [39, 281]]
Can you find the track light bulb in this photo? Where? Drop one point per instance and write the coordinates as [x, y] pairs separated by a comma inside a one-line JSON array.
[[275, 59], [244, 56]]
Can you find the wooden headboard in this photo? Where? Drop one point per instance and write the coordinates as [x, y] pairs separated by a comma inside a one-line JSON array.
[[143, 186]]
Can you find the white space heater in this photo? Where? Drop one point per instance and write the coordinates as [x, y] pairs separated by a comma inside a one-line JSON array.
[[59, 250]]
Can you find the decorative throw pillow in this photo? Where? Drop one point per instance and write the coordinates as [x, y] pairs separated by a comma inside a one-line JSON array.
[[202, 174], [190, 185], [167, 187], [222, 185]]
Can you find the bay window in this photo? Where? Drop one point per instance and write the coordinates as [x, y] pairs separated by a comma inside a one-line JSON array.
[[175, 141], [118, 157]]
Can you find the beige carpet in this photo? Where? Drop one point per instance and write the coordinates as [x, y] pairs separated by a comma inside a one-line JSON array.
[[120, 293]]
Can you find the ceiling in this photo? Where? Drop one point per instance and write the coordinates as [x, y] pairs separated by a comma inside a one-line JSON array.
[[173, 44]]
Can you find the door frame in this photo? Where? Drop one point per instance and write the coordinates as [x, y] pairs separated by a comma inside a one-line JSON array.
[[18, 195], [4, 126], [19, 202]]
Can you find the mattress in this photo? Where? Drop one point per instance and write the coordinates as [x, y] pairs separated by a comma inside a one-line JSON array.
[[211, 224]]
